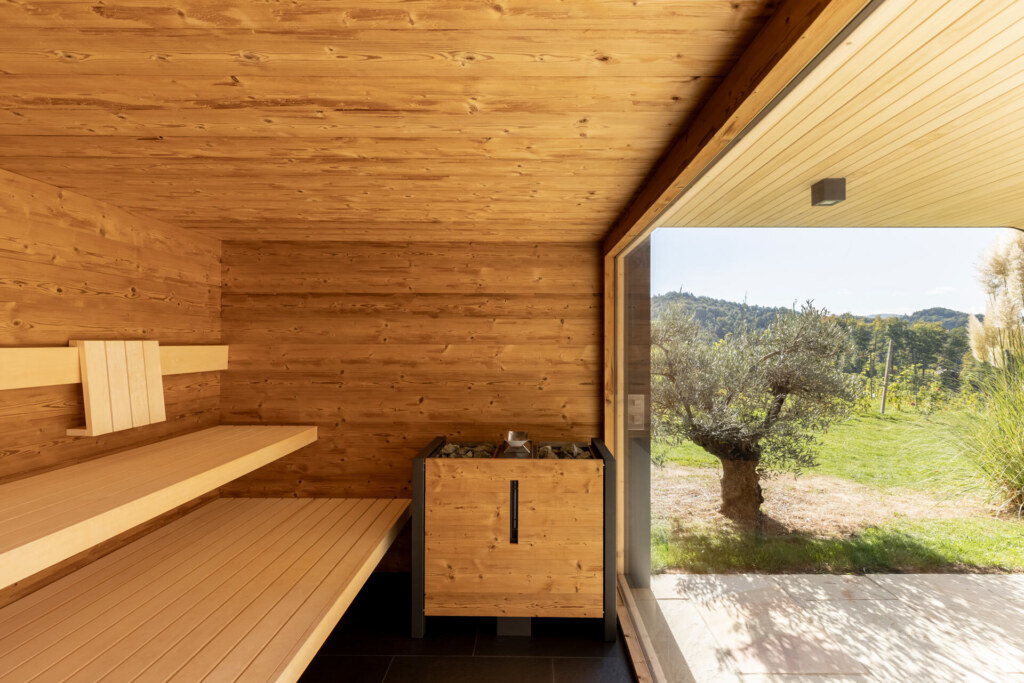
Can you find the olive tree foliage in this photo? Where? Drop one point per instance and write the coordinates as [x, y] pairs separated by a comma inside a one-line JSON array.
[[754, 399]]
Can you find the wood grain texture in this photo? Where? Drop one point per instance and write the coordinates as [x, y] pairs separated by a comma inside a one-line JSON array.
[[40, 366], [918, 108], [642, 656], [248, 120], [555, 569], [384, 346], [30, 584], [96, 396], [118, 382], [792, 37], [76, 268], [137, 379], [23, 367], [331, 15], [237, 590], [154, 381], [176, 360], [130, 385], [49, 517]]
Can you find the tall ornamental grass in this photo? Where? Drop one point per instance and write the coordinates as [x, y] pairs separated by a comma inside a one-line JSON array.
[[992, 434]]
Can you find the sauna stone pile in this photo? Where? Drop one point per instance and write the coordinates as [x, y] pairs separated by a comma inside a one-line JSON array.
[[567, 452], [455, 450]]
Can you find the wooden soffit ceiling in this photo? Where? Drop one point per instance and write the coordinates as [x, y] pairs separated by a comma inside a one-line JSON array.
[[919, 108], [360, 119]]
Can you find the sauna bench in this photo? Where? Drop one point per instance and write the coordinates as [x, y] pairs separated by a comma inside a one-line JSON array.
[[240, 589], [52, 516]]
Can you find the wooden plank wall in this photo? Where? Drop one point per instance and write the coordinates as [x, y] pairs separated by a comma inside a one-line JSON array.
[[385, 345], [76, 268]]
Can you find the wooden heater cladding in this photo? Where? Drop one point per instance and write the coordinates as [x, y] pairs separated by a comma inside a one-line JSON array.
[[514, 537]]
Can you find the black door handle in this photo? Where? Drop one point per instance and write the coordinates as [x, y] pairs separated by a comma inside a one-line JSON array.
[[513, 532]]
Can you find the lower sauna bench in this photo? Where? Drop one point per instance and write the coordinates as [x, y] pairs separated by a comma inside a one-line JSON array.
[[51, 516], [241, 589]]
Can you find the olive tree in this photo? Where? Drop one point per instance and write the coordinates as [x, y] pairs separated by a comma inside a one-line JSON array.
[[754, 399]]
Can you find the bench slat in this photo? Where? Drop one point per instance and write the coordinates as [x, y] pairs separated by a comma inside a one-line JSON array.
[[185, 613], [52, 516], [29, 633], [239, 589]]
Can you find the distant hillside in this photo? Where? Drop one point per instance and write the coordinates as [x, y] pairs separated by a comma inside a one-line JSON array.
[[948, 318], [721, 316], [717, 315]]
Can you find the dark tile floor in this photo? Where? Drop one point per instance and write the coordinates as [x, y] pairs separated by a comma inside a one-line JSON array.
[[371, 644]]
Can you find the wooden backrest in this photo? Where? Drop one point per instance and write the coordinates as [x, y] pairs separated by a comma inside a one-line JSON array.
[[122, 384]]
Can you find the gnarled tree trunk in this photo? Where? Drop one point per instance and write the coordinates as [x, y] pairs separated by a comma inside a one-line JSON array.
[[741, 491]]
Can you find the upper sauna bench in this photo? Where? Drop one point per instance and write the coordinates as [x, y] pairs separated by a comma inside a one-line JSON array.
[[50, 517]]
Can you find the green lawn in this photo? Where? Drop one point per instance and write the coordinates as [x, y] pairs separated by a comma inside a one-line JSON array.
[[976, 544], [899, 450], [904, 450]]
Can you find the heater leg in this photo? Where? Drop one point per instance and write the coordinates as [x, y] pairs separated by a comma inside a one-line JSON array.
[[514, 626], [418, 549]]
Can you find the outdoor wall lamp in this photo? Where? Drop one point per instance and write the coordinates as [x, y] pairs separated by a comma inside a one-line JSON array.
[[828, 191]]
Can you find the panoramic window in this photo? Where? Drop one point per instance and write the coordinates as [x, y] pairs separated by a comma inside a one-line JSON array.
[[815, 394], [828, 401]]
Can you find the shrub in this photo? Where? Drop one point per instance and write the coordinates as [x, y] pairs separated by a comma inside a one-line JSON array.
[[992, 433]]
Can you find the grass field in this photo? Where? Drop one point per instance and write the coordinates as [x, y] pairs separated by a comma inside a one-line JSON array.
[[891, 453], [968, 544], [902, 450]]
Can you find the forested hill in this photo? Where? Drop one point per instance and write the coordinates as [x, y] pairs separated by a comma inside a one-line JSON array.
[[721, 316], [947, 317], [717, 315]]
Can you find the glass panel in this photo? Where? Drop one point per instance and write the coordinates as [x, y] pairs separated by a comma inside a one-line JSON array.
[[637, 386], [885, 486]]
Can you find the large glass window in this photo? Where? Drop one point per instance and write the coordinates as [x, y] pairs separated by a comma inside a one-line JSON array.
[[800, 413]]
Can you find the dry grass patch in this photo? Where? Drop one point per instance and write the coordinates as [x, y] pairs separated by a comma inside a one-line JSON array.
[[820, 506]]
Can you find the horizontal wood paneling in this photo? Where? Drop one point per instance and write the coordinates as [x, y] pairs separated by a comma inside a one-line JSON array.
[[377, 14], [463, 230], [454, 96], [76, 268], [80, 148], [919, 109], [384, 346], [319, 126], [316, 121], [795, 34]]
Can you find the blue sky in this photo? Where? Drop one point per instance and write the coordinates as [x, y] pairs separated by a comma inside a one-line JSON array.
[[858, 270]]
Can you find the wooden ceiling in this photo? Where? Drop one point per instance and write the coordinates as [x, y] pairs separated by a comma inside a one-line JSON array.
[[920, 109], [360, 119]]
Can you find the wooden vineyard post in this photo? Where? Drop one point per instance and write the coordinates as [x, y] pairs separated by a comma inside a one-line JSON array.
[[888, 369]]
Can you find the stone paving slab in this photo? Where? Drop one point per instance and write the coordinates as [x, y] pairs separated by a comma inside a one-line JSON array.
[[891, 640], [798, 678], [844, 629], [709, 586], [775, 636], [707, 661], [814, 587]]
